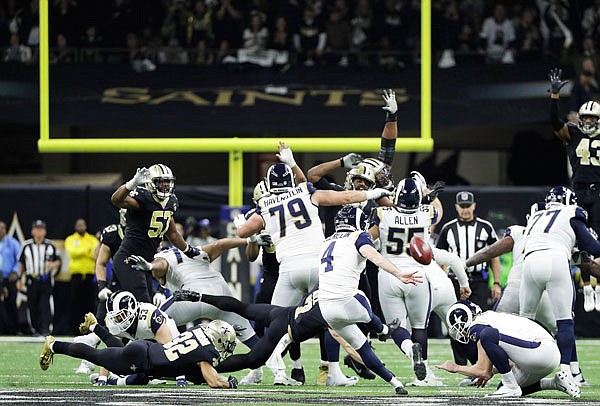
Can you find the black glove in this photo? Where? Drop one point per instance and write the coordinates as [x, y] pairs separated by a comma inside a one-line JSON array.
[[238, 329], [233, 382], [435, 190], [191, 251], [555, 83], [187, 296]]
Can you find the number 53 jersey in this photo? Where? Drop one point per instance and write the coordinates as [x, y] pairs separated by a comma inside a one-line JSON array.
[[292, 220], [551, 229]]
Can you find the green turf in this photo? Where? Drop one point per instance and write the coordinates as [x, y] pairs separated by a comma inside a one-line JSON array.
[[20, 370]]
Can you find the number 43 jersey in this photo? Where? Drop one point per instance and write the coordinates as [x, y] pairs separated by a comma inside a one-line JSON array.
[[147, 225], [551, 229], [292, 220], [396, 228]]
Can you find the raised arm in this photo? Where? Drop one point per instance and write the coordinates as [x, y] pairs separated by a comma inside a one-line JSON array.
[[559, 127], [121, 196], [390, 129]]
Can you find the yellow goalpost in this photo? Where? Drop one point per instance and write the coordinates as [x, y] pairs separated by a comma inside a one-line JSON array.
[[236, 147]]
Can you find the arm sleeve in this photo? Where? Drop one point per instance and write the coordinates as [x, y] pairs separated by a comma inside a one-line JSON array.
[[387, 150], [557, 123], [157, 319], [363, 238], [585, 239]]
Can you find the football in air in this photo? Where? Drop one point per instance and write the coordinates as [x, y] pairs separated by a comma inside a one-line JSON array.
[[420, 250]]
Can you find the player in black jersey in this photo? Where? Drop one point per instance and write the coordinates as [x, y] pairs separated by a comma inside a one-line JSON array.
[[583, 151], [196, 351], [150, 212]]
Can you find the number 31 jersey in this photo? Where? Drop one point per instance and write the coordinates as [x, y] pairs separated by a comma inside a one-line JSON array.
[[147, 225], [293, 222], [551, 229], [396, 228]]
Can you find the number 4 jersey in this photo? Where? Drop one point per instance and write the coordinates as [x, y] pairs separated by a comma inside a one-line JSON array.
[[293, 222]]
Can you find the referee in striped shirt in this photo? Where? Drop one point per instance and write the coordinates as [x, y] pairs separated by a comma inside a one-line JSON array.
[[39, 262]]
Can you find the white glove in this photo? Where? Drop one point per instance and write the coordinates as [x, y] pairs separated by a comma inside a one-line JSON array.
[[104, 293], [158, 299], [239, 220], [420, 179], [389, 97], [378, 193], [287, 157], [139, 263], [142, 175], [351, 160]]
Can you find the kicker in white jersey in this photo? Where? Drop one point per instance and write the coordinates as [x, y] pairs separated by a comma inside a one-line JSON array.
[[185, 271]]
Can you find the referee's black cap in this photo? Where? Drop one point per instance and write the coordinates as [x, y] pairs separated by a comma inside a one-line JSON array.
[[465, 197], [38, 223]]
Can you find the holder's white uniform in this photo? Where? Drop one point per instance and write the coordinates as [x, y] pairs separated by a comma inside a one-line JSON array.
[[292, 221], [342, 304], [531, 349], [509, 301], [396, 228], [196, 274], [549, 241], [149, 320]]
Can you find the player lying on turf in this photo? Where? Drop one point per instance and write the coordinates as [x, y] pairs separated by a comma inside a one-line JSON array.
[[194, 353]]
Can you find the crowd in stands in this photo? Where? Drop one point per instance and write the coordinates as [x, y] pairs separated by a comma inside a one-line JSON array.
[[283, 32]]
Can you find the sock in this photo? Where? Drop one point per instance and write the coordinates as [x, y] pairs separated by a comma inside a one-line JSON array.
[[373, 363], [385, 329], [489, 339], [535, 387], [251, 342], [406, 347], [325, 363], [92, 327], [296, 363], [419, 335], [565, 337], [122, 381], [565, 367], [395, 382], [508, 379], [334, 369], [52, 346], [332, 348], [575, 368], [102, 378]]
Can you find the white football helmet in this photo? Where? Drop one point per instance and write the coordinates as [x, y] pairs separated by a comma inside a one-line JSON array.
[[121, 311], [222, 335], [459, 318], [589, 109], [383, 176], [162, 181], [362, 171], [260, 191]]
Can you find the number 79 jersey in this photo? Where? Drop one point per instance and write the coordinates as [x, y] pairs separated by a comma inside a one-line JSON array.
[[292, 220], [551, 229], [396, 228]]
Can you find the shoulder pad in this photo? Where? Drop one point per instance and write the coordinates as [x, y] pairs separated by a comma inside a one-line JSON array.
[[308, 187], [580, 213]]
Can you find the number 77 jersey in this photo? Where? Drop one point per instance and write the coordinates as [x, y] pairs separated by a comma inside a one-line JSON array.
[[292, 220], [552, 229]]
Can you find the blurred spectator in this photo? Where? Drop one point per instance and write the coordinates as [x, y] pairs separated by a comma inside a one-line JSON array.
[[203, 56], [588, 52], [137, 56], [61, 53], [388, 25], [176, 23], [498, 35], [280, 44], [173, 53], [254, 50], [339, 39], [229, 24], [340, 6], [447, 22], [90, 41], [310, 39], [63, 20], [119, 22], [590, 22], [559, 37], [201, 237], [80, 247], [4, 31], [39, 263], [528, 41], [200, 26], [17, 52], [26, 24], [585, 88], [468, 38], [361, 24], [9, 263]]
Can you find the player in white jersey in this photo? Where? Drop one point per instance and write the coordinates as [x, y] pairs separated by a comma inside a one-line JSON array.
[[521, 350], [343, 257], [133, 320], [551, 235], [395, 226]]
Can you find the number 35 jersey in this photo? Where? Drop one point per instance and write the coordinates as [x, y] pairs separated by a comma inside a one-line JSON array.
[[551, 229], [147, 225], [396, 228], [293, 222]]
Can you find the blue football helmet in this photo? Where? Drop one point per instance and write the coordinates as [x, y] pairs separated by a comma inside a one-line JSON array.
[[408, 195], [561, 195], [280, 178], [350, 218], [459, 318]]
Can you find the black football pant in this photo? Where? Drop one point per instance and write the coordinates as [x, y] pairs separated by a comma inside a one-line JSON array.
[[275, 317], [10, 304], [139, 283], [83, 298], [38, 303], [264, 295], [120, 360], [114, 286], [589, 200]]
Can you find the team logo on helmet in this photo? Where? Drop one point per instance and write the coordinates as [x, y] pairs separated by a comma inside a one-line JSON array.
[[121, 311], [280, 178], [222, 335], [408, 195], [561, 195], [162, 181], [350, 218], [459, 318], [591, 111]]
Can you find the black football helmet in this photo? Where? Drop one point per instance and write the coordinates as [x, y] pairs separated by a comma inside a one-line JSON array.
[[280, 178], [121, 311], [459, 318], [408, 195], [350, 218], [561, 195]]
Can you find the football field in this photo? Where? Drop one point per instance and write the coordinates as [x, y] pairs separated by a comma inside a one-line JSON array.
[[23, 382]]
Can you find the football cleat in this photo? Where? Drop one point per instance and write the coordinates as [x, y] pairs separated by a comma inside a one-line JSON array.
[[360, 369], [564, 382], [282, 380], [580, 380], [298, 375], [341, 380], [468, 382], [47, 355], [322, 377], [418, 364], [85, 367], [254, 377], [401, 390], [88, 321], [589, 301], [428, 381], [506, 391]]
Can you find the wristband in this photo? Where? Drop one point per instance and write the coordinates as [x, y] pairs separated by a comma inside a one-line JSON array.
[[342, 162], [390, 117], [251, 239], [130, 185], [101, 285], [497, 283]]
